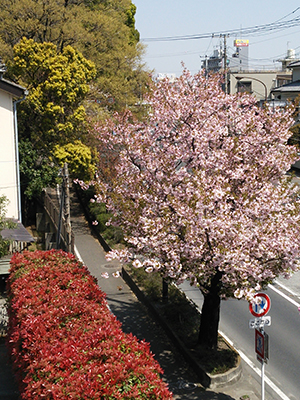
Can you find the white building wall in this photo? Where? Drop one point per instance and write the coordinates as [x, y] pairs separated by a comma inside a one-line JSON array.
[[8, 173], [296, 74]]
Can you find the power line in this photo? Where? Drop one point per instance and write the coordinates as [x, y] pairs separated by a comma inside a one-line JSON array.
[[267, 40], [293, 12], [257, 30]]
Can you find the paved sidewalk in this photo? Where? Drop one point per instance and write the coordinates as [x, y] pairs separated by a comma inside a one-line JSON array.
[[135, 318]]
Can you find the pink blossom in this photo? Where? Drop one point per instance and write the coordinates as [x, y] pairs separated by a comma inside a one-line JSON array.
[[137, 264], [200, 186]]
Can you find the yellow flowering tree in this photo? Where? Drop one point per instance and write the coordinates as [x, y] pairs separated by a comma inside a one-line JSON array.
[[103, 31], [79, 158], [58, 83]]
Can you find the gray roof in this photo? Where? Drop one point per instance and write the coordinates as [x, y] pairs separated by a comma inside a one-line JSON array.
[[294, 64], [13, 88], [18, 234], [291, 87]]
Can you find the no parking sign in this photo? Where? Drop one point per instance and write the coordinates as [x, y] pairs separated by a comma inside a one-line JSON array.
[[261, 305]]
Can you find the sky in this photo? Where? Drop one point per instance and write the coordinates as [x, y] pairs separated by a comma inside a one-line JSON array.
[[278, 22]]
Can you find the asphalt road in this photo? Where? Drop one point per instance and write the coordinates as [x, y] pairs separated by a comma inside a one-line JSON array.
[[284, 361]]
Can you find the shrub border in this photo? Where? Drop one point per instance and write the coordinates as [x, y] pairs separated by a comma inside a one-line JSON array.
[[64, 340]]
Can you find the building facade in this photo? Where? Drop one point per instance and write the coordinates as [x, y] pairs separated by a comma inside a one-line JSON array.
[[290, 90], [259, 83], [10, 95], [240, 78]]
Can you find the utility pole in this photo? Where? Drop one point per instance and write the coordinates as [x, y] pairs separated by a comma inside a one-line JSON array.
[[61, 207], [67, 212], [225, 64], [64, 210], [225, 61]]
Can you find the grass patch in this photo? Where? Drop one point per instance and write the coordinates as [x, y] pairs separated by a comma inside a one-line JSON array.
[[184, 318], [216, 361]]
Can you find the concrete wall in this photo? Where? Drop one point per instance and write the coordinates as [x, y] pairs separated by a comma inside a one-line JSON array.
[[262, 83]]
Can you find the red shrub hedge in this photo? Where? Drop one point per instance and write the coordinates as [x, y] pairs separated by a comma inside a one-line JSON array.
[[64, 342]]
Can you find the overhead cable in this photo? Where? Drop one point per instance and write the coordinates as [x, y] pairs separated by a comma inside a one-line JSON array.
[[254, 30]]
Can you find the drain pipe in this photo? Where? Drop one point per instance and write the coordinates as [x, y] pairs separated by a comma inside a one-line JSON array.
[[17, 153]]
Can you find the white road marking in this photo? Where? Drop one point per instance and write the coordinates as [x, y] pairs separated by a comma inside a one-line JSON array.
[[287, 288], [248, 361], [256, 370], [284, 295], [77, 254]]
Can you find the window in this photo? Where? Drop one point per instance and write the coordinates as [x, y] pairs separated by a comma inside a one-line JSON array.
[[244, 86]]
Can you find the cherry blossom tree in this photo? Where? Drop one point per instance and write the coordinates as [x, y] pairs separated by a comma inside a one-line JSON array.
[[201, 191]]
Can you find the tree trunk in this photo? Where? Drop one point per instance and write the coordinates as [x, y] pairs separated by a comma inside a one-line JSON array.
[[208, 333], [165, 290]]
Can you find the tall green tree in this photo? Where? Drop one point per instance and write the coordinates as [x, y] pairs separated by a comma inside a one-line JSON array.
[[103, 31], [52, 114], [53, 21], [37, 172]]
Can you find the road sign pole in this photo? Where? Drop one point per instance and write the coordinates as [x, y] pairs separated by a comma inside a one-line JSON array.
[[262, 374], [259, 309], [262, 380], [260, 350]]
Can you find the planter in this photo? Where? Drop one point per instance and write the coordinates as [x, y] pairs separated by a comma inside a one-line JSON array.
[[207, 380]]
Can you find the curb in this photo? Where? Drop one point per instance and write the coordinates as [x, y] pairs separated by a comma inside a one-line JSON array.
[[227, 378], [206, 380]]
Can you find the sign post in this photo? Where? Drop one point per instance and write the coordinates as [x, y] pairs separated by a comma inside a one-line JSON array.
[[259, 308]]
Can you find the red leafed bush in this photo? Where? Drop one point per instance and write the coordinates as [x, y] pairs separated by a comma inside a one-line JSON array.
[[65, 343]]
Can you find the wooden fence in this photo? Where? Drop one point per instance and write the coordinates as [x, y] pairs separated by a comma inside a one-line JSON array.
[[66, 239]]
